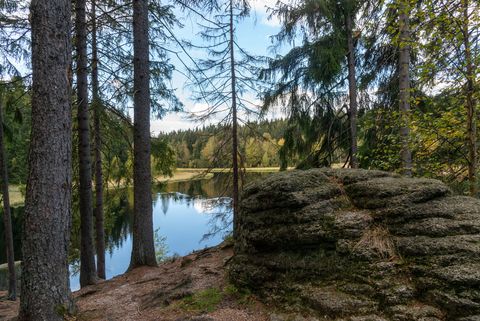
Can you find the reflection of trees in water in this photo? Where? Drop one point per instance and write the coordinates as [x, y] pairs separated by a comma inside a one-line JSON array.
[[211, 197], [220, 185], [118, 218], [219, 203], [221, 216], [165, 199]]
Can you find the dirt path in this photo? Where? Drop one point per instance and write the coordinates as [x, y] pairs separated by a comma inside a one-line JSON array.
[[191, 288]]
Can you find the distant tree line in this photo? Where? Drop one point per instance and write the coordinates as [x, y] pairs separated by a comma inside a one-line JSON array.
[[204, 147]]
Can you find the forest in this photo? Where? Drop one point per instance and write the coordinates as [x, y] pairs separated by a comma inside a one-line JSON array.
[[390, 85]]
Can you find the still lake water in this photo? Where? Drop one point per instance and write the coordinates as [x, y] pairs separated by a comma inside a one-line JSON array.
[[184, 213]]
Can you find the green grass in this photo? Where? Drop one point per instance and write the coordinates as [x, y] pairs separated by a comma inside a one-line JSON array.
[[203, 301], [241, 295], [185, 175]]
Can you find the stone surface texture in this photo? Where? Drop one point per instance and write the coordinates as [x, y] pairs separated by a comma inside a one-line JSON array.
[[350, 244]]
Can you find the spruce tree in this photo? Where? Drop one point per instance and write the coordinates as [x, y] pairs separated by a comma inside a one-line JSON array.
[[47, 219]]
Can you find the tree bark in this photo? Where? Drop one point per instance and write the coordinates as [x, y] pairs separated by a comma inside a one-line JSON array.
[[470, 104], [45, 294], [97, 105], [7, 215], [234, 125], [87, 257], [404, 86], [143, 249], [352, 90]]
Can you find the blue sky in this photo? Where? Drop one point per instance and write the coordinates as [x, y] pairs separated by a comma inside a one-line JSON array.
[[253, 33]]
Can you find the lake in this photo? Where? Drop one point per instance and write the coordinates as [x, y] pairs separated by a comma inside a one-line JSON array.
[[187, 216]]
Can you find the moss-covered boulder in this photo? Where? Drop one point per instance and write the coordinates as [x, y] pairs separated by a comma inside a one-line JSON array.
[[360, 245]]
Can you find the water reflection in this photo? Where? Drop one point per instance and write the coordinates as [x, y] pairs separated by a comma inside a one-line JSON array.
[[190, 215]]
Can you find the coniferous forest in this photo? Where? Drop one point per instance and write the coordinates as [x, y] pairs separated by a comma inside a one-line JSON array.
[[336, 92]]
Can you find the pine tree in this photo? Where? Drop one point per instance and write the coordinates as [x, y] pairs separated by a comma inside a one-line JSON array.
[[310, 79], [451, 57], [7, 216], [97, 131], [404, 83], [221, 79], [87, 257], [143, 248], [47, 218]]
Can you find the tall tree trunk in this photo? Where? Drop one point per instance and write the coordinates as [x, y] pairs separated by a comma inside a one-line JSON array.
[[7, 216], [45, 283], [143, 250], [234, 125], [99, 225], [470, 103], [87, 257], [404, 85], [352, 90]]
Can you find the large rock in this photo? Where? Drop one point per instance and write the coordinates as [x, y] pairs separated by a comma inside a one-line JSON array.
[[360, 245]]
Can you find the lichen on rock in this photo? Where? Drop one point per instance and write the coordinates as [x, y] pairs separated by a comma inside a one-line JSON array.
[[351, 244]]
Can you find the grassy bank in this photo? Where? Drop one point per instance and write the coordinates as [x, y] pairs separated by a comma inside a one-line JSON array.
[[180, 175], [226, 170], [188, 174], [185, 174]]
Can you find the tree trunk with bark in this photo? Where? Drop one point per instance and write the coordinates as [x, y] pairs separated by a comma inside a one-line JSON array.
[[45, 294], [404, 86], [234, 124], [7, 215], [97, 105], [88, 273], [470, 103], [143, 249], [352, 90]]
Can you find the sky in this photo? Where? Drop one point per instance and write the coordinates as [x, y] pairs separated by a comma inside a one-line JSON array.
[[253, 34]]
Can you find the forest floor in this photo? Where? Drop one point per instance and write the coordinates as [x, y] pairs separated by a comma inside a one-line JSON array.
[[190, 288]]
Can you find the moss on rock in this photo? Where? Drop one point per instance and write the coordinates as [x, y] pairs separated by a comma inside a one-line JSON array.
[[354, 244]]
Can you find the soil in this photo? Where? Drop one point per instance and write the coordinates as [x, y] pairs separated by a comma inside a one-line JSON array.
[[190, 288]]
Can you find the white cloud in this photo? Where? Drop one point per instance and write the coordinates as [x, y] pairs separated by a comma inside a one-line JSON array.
[[180, 121], [170, 123], [271, 21], [261, 9], [262, 4]]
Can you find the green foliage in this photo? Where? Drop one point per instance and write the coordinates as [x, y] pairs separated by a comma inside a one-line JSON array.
[[163, 157], [161, 247], [309, 82], [242, 295], [116, 51], [202, 301], [15, 98], [259, 142], [381, 145]]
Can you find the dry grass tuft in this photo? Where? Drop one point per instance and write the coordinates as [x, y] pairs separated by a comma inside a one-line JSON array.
[[379, 241]]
